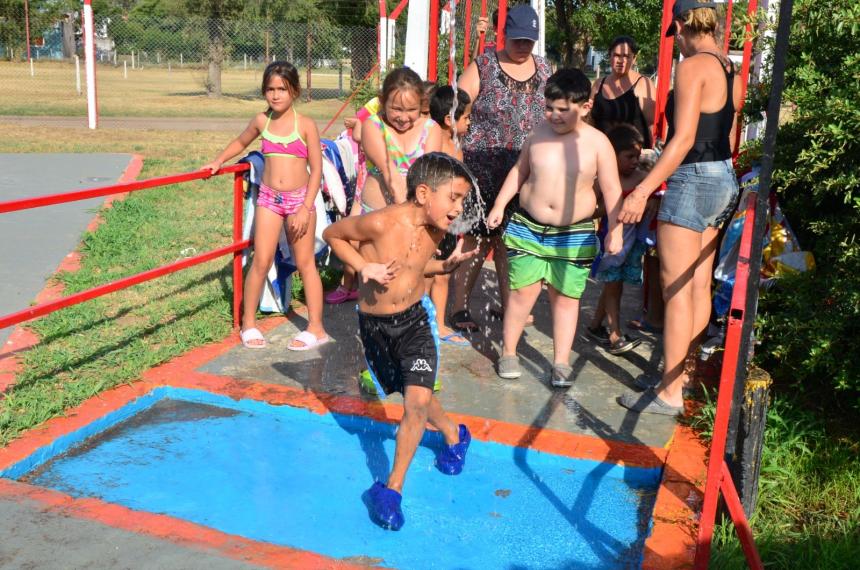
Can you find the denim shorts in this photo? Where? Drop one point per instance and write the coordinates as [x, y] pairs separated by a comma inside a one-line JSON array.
[[700, 195]]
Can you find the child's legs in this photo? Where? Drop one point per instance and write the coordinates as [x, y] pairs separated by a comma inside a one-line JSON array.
[[467, 273], [416, 407], [440, 420], [520, 304], [439, 296], [500, 259], [612, 302], [267, 229], [303, 253], [565, 312], [599, 311], [654, 314]]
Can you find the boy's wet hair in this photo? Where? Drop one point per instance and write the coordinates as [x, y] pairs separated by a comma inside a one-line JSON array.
[[443, 99], [435, 169], [401, 79], [569, 84], [286, 71], [625, 136]]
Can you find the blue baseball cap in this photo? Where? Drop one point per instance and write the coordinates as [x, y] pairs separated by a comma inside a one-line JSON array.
[[522, 23], [682, 6]]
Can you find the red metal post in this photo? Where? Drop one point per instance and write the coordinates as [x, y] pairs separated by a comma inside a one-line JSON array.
[[736, 511], [664, 71], [396, 12], [752, 10], [467, 34], [716, 459], [238, 191], [500, 32], [482, 34], [432, 52], [728, 32]]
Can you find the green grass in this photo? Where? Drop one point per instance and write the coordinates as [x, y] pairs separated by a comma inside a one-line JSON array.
[[151, 92], [808, 512], [91, 347]]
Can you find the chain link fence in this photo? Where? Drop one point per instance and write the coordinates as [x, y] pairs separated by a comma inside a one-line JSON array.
[[164, 67]]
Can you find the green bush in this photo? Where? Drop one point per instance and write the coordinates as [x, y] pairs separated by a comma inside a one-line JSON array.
[[808, 323]]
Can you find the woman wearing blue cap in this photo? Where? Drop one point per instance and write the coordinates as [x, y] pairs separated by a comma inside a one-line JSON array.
[[507, 89], [700, 195]]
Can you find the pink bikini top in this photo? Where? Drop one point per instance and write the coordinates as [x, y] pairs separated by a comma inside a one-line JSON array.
[[291, 145]]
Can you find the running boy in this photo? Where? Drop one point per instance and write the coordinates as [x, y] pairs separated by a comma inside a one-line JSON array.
[[397, 321], [552, 238]]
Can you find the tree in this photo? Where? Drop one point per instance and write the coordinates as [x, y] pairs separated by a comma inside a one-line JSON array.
[[215, 12], [576, 25]]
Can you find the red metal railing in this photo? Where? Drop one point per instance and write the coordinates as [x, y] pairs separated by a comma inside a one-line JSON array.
[[235, 248]]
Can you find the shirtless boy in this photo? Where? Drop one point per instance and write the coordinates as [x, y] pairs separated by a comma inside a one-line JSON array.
[[397, 321], [552, 238]]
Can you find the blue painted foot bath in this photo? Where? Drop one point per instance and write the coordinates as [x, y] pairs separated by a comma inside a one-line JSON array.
[[292, 477]]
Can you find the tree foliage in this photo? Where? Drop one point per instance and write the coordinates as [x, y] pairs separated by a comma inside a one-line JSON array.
[[810, 322], [575, 25]]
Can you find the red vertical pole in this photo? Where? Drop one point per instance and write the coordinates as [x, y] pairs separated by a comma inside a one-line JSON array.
[[664, 71], [482, 34], [745, 67], [500, 34], [467, 35], [27, 26], [728, 33], [432, 52], [451, 43], [238, 191]]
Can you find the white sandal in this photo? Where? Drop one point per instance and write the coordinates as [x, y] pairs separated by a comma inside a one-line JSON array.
[[308, 340], [250, 335]]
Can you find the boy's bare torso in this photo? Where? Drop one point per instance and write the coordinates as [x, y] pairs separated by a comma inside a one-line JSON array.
[[411, 246], [560, 188]]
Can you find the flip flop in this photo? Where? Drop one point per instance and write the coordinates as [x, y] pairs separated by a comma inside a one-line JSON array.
[[252, 335], [648, 402], [449, 338], [462, 321], [308, 340]]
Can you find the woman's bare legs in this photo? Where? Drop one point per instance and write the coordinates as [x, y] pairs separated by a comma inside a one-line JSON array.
[[680, 252]]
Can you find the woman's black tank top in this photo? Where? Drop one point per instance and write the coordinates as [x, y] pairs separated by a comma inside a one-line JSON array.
[[712, 133], [625, 108]]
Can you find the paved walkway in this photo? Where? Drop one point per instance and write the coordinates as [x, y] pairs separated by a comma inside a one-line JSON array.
[[470, 384], [36, 241]]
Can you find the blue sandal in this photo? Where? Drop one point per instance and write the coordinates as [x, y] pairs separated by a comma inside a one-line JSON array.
[[450, 339]]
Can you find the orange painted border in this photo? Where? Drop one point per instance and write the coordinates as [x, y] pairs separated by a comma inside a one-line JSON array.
[[670, 545], [23, 338]]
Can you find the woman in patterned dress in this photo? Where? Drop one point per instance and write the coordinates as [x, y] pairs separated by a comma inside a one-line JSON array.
[[507, 87]]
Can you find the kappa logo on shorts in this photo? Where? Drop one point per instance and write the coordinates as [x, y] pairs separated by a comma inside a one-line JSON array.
[[420, 365]]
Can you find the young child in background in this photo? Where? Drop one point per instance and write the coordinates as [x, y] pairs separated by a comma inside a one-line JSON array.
[[625, 266], [441, 102], [396, 321], [429, 88], [395, 138], [552, 238], [291, 146]]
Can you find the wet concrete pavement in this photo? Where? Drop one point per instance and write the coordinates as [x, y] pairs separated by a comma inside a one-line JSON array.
[[470, 384]]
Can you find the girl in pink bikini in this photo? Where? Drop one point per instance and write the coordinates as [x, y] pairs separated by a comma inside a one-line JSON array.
[[291, 180]]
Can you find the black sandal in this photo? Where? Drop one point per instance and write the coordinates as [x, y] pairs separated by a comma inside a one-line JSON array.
[[462, 321]]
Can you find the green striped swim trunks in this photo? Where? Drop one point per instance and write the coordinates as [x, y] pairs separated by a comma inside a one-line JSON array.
[[559, 256]]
